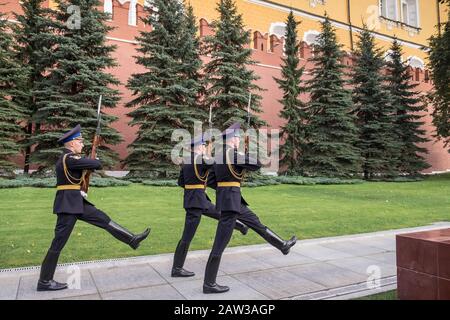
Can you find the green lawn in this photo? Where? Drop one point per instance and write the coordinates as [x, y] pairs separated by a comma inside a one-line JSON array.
[[26, 221], [389, 295]]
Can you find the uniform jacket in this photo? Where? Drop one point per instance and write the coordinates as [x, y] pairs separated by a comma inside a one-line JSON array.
[[230, 198], [71, 201], [195, 198]]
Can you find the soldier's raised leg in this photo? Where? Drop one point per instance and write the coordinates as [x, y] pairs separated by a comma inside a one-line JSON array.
[[249, 218], [100, 219]]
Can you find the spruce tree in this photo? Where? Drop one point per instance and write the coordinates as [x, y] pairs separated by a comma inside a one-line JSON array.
[[330, 133], [71, 90], [228, 77], [407, 106], [166, 94], [293, 111], [191, 65], [377, 141], [439, 63], [12, 80], [33, 35]]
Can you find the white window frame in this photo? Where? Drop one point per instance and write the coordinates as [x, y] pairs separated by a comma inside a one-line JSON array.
[[407, 15], [396, 18], [132, 13], [108, 7]]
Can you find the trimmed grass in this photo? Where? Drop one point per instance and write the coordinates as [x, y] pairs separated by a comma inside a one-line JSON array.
[[389, 295], [26, 221]]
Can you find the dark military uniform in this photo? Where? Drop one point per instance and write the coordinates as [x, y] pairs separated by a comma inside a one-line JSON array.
[[227, 181], [70, 206], [193, 177], [251, 220]]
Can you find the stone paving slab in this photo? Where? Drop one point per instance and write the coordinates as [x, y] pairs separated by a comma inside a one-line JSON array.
[[9, 286], [85, 297], [232, 263], [196, 265], [277, 284], [193, 290], [275, 258], [365, 266], [384, 242], [27, 287], [385, 257], [320, 252], [327, 275], [160, 292], [357, 248], [112, 279]]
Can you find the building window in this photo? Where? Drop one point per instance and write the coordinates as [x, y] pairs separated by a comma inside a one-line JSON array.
[[108, 8], [132, 18], [389, 9], [410, 12]]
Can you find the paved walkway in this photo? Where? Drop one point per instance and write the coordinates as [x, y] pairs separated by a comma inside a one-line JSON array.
[[325, 268]]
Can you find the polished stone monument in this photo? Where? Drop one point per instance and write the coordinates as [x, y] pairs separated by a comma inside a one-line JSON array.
[[423, 265]]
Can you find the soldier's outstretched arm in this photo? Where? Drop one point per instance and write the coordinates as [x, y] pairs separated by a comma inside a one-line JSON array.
[[75, 162]]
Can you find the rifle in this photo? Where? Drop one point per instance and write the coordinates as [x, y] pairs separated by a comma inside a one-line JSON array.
[[247, 137], [95, 144], [209, 136]]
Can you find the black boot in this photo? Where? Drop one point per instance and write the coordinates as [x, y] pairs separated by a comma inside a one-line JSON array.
[[126, 236], [283, 245], [209, 284], [178, 261], [241, 227], [46, 282]]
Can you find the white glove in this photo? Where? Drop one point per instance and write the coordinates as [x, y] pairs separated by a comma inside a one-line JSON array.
[[84, 194]]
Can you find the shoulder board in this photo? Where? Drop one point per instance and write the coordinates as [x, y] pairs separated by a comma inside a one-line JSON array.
[[75, 157]]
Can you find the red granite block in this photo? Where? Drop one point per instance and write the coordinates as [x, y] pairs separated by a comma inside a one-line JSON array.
[[443, 289], [444, 260], [412, 285], [416, 253]]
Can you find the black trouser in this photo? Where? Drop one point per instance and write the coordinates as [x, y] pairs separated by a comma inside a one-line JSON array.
[[224, 231], [193, 217], [64, 226]]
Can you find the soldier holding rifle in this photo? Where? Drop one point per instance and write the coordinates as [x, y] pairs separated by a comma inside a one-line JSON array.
[[71, 204], [193, 176]]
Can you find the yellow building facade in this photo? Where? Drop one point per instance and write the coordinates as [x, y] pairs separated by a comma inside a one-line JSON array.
[[411, 21]]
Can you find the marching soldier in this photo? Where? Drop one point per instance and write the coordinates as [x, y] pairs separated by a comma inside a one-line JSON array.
[[226, 180], [70, 205], [193, 177]]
